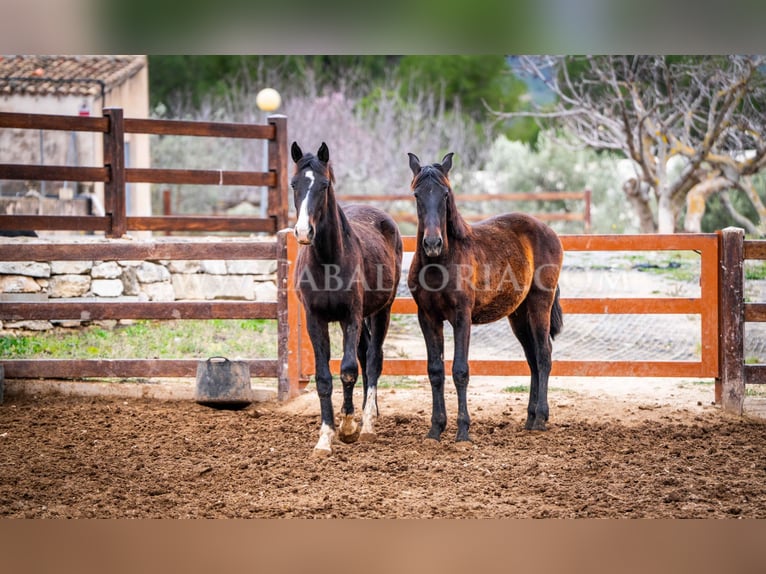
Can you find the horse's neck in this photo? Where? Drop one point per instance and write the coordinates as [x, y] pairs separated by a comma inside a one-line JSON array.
[[329, 242], [458, 228]]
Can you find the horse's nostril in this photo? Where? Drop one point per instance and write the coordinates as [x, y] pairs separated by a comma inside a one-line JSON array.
[[311, 233], [433, 244]]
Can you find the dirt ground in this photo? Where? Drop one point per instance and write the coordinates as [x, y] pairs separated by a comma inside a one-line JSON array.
[[614, 448]]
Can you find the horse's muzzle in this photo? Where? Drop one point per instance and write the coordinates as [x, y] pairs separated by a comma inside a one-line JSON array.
[[432, 245], [304, 236]]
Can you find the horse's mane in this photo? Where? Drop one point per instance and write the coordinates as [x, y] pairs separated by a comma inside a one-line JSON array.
[[456, 225]]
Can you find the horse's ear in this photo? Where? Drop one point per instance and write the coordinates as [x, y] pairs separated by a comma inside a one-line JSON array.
[[295, 151], [324, 153], [414, 163], [446, 164]]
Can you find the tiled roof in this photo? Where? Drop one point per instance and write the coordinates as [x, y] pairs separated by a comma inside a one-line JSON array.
[[65, 75]]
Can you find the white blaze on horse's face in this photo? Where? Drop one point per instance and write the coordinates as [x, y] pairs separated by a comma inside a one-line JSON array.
[[303, 228]]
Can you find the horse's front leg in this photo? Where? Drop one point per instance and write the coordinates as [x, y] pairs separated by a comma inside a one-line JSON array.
[[460, 372], [320, 341], [433, 334], [349, 372], [374, 365]]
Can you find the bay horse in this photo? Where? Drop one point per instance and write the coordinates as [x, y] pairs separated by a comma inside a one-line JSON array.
[[504, 266], [347, 272]]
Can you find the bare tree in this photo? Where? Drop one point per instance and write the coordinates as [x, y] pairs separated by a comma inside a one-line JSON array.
[[708, 111]]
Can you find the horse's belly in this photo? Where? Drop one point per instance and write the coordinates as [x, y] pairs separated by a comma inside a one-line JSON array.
[[496, 308]]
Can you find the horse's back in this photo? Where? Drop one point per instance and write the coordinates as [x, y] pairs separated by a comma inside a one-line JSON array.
[[516, 227], [366, 218], [381, 245]]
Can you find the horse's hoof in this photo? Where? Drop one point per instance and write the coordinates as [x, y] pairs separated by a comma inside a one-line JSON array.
[[368, 437], [348, 438], [464, 445], [538, 426], [349, 430], [431, 442], [321, 453]]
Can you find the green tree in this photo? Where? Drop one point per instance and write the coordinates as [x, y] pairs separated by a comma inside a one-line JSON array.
[[474, 83]]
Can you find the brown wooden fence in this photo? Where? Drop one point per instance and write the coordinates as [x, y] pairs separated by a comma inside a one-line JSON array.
[[115, 223], [115, 175], [735, 312], [489, 202]]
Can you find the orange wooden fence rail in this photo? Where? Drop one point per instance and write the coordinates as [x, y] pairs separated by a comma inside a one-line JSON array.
[[302, 360]]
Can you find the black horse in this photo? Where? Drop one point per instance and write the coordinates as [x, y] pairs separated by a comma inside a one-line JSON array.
[[505, 266], [347, 272]]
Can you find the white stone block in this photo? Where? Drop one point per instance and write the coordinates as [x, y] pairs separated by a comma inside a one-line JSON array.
[[152, 273], [106, 287], [68, 285], [159, 291], [18, 284], [213, 266], [248, 267], [106, 270], [70, 267], [190, 266], [265, 291], [28, 268]]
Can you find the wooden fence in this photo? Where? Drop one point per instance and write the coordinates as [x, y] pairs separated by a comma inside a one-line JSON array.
[[489, 202], [115, 174], [115, 223], [735, 312], [721, 270]]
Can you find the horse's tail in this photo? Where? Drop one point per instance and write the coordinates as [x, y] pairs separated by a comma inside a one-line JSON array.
[[557, 317]]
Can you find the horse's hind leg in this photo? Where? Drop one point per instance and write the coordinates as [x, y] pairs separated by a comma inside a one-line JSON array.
[[531, 325], [349, 372], [374, 365], [361, 355]]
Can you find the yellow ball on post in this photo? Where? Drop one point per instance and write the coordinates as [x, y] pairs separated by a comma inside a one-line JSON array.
[[268, 100]]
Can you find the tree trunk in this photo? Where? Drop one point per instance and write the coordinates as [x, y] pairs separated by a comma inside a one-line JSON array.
[[639, 200], [666, 214], [738, 218], [747, 186], [696, 199]]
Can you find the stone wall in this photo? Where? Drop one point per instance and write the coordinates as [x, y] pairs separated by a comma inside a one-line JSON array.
[[249, 280]]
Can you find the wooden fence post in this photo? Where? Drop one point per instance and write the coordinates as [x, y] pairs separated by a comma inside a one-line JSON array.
[[586, 209], [277, 152], [283, 318], [114, 159], [730, 387]]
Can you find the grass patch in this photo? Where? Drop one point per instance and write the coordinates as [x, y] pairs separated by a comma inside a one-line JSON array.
[[755, 270], [384, 382], [516, 389], [677, 265], [251, 338]]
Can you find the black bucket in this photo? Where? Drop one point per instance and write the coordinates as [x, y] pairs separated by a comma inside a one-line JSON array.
[[223, 384]]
